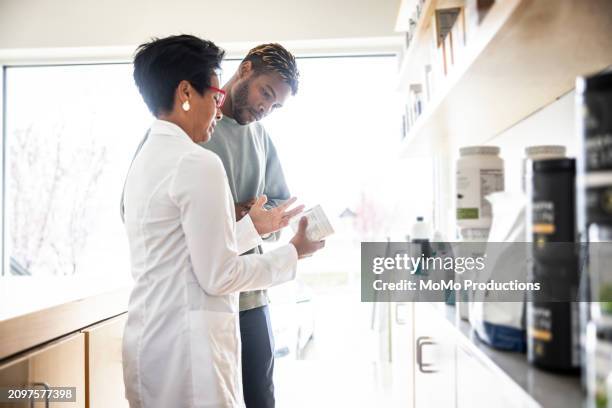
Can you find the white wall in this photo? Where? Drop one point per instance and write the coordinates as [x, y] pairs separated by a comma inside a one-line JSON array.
[[554, 124], [117, 23]]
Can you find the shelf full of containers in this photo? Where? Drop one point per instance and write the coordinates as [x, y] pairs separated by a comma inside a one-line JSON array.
[[471, 70]]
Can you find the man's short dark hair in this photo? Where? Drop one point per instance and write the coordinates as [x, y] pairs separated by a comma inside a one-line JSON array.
[[275, 58], [161, 64]]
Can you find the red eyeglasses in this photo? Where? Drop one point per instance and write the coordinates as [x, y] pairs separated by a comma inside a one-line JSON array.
[[221, 98]]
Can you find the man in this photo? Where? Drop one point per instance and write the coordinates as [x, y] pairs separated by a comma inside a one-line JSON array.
[[262, 83]]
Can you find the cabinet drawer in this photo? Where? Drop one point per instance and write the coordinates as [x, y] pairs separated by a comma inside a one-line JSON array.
[[59, 364], [104, 372]]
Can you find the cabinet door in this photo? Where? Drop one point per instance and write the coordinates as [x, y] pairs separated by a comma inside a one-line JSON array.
[[59, 364], [401, 356], [104, 375], [479, 386], [434, 351]]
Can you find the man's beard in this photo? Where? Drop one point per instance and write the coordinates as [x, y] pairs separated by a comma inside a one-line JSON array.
[[240, 102]]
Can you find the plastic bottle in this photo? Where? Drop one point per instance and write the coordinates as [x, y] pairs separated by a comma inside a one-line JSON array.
[[420, 230]]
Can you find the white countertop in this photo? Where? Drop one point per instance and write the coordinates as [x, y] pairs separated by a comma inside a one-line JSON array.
[[35, 310], [21, 295], [549, 389]]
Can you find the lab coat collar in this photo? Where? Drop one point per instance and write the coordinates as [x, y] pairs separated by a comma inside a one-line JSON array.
[[163, 127]]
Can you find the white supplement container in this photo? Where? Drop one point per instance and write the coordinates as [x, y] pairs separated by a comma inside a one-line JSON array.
[[480, 172]]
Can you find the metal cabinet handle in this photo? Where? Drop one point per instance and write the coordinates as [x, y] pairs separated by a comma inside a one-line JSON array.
[[420, 343], [399, 317], [47, 388]]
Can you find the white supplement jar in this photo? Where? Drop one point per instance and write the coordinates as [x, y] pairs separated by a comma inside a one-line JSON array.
[[480, 172]]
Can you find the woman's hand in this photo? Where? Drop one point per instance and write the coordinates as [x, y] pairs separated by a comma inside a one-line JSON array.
[[302, 244], [274, 219]]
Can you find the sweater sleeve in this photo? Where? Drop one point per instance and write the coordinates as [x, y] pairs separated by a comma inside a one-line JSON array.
[[199, 188]]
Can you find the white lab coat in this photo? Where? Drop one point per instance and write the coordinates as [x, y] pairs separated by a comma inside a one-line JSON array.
[[181, 345]]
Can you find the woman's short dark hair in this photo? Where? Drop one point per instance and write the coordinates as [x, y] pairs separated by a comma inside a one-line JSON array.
[[161, 64]]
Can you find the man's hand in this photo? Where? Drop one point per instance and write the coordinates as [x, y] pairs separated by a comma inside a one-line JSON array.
[[302, 244], [274, 219], [243, 208]]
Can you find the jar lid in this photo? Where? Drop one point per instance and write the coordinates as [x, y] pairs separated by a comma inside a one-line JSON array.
[[479, 150], [595, 83], [555, 165], [532, 152]]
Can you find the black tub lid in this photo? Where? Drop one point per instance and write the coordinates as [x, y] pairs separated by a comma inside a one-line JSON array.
[[554, 165], [594, 83]]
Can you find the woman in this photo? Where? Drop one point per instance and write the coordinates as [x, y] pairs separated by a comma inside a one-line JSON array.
[[181, 344]]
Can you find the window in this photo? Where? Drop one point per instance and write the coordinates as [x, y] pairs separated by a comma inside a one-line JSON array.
[[70, 135], [71, 131], [338, 140]]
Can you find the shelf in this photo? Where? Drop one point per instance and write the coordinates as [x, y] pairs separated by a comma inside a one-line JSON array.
[[419, 42], [523, 56], [419, 45]]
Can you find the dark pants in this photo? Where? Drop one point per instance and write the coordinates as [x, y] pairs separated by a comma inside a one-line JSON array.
[[257, 357]]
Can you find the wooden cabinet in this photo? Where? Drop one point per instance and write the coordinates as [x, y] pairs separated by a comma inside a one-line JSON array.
[[59, 364], [104, 371], [89, 360]]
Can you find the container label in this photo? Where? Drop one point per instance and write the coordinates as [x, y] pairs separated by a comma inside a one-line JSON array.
[[467, 213], [491, 181], [473, 185], [543, 217], [599, 203], [597, 123], [599, 151], [541, 328]]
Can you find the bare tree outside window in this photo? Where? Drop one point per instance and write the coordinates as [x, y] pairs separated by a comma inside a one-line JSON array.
[[53, 183], [70, 136]]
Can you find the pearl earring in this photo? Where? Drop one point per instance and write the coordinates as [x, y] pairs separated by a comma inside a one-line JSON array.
[[186, 106]]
